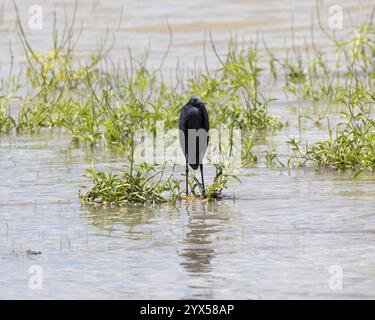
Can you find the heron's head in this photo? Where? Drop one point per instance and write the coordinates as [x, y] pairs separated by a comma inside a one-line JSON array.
[[195, 100]]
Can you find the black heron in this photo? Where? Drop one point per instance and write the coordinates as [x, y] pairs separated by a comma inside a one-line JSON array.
[[194, 126]]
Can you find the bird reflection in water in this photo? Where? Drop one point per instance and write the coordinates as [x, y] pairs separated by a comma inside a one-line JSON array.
[[198, 245], [198, 250]]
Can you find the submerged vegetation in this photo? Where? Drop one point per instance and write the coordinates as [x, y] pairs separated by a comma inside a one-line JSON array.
[[99, 103]]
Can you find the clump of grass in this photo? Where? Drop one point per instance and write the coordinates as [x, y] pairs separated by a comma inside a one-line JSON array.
[[220, 182], [33, 115], [215, 189], [350, 146], [142, 184], [248, 156], [8, 93], [353, 147], [271, 157], [82, 120], [6, 121]]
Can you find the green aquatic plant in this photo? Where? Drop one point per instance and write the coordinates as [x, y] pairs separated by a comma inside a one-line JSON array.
[[310, 73], [9, 88], [248, 156], [82, 120], [313, 77], [358, 49], [6, 121], [221, 180], [141, 184], [351, 145], [233, 90], [146, 183], [224, 174], [34, 115], [99, 103], [102, 104], [271, 157], [58, 68]]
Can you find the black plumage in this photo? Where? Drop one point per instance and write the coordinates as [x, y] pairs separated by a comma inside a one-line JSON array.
[[194, 117]]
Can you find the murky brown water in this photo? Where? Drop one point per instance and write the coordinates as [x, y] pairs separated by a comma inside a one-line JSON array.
[[275, 235]]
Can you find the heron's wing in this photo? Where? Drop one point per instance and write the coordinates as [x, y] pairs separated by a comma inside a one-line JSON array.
[[184, 117], [206, 121], [182, 124]]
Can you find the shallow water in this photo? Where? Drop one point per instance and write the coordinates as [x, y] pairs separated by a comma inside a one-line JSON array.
[[145, 25], [276, 238], [275, 235]]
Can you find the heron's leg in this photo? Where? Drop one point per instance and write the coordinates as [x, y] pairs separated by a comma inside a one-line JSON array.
[[201, 167], [187, 175]]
